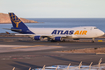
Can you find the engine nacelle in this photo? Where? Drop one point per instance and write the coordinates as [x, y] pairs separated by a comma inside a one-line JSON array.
[[37, 37], [58, 39]]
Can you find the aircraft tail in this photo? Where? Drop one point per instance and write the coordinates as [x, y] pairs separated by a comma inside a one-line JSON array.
[[16, 22], [18, 25]]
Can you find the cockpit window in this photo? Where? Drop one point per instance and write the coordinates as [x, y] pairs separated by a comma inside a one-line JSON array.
[[95, 28]]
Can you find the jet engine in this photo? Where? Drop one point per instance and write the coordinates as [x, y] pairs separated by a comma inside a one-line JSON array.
[[58, 39], [37, 37]]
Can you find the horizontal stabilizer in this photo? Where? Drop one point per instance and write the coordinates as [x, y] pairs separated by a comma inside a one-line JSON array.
[[16, 29], [24, 34], [13, 29], [6, 28]]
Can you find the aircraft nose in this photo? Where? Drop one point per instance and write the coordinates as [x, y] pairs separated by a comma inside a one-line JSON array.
[[101, 32]]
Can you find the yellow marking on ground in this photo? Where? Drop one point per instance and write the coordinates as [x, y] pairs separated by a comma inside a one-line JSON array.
[[100, 41]]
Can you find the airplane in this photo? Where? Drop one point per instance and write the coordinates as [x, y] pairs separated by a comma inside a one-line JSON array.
[[54, 34]]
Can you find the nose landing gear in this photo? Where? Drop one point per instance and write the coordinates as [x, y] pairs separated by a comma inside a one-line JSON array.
[[93, 40]]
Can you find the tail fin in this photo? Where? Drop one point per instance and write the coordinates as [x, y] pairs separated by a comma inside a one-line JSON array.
[[16, 22], [18, 25]]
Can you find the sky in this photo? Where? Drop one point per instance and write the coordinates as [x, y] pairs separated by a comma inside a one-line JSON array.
[[54, 8]]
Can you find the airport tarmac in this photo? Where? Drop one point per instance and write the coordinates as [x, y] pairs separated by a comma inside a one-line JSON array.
[[25, 54]]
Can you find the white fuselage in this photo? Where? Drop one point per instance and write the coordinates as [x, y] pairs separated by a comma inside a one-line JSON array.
[[54, 34], [76, 32]]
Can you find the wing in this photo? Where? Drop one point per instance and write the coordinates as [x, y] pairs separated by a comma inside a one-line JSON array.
[[48, 36]]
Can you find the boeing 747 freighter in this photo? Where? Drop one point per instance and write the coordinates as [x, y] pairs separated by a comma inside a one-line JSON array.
[[54, 34]]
